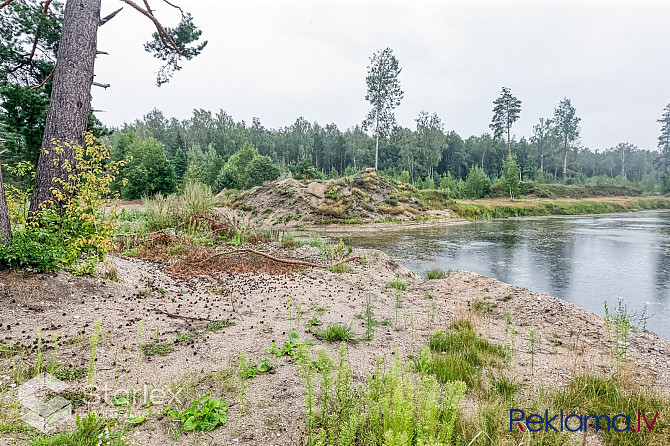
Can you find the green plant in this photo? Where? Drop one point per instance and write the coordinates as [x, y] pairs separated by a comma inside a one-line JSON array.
[[157, 348], [93, 341], [481, 306], [218, 325], [313, 322], [532, 347], [90, 430], [398, 284], [336, 333], [391, 408], [618, 326], [436, 274], [289, 348], [458, 354], [185, 338], [75, 228], [369, 319], [205, 414], [70, 373]]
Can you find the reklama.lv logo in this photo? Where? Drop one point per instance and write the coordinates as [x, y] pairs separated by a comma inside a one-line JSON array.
[[577, 422]]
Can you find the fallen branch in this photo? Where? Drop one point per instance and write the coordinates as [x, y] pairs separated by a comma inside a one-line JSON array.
[[277, 259]]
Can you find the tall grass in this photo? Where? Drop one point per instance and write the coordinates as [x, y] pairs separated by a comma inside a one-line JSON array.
[[172, 211]]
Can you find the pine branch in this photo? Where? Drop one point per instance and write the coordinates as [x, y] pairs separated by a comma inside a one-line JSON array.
[[162, 33], [110, 16]]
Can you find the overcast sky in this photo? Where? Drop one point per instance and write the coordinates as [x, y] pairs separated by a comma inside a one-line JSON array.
[[280, 59]]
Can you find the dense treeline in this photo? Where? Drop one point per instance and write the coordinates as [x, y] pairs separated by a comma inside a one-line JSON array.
[[217, 150]]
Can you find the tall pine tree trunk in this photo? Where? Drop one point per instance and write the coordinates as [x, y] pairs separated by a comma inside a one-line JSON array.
[[376, 139], [70, 102], [5, 225]]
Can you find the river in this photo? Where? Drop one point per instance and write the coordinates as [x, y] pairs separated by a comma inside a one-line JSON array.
[[586, 260]]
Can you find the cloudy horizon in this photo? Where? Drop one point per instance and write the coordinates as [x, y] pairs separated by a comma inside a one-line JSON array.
[[278, 60]]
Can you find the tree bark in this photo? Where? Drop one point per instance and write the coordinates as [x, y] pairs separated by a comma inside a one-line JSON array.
[[5, 225], [70, 103], [377, 140], [565, 163]]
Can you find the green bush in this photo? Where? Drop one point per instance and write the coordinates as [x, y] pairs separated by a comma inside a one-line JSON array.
[[260, 170], [72, 230], [477, 183]]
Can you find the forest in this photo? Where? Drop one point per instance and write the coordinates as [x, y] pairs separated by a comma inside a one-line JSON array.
[[209, 148]]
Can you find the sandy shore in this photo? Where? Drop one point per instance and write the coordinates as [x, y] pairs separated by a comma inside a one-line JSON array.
[[149, 304]]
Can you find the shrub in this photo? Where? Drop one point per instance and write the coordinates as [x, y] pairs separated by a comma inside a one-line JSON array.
[[477, 183], [80, 233], [260, 170]]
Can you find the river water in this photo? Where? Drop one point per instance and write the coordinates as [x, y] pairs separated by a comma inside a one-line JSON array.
[[586, 260]]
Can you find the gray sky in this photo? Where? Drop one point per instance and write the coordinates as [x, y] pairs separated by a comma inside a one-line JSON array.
[[280, 59]]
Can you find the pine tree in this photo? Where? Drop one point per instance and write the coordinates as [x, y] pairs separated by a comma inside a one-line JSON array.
[[664, 138], [506, 112]]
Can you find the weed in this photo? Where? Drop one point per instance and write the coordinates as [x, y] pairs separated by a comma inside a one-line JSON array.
[[93, 341], [436, 274], [458, 354], [70, 373], [313, 322], [390, 409], [369, 319], [185, 338], [339, 268], [397, 284], [505, 387], [336, 333], [205, 414], [481, 306], [289, 348], [618, 326], [218, 325], [533, 339], [157, 348]]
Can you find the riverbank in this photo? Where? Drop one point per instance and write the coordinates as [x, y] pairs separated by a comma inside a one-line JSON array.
[[161, 327], [503, 208]]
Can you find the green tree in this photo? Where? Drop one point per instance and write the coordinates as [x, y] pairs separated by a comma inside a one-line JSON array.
[[509, 180], [227, 178], [180, 163], [72, 79], [477, 183], [203, 166], [506, 112], [566, 126], [665, 181], [664, 137], [543, 139], [304, 169], [452, 186], [431, 141], [383, 93], [149, 171], [260, 170], [241, 159]]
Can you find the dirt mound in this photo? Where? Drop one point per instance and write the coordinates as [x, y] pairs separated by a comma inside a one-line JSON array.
[[364, 197]]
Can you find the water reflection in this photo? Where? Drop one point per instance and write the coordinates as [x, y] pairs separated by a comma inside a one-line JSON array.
[[585, 260]]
